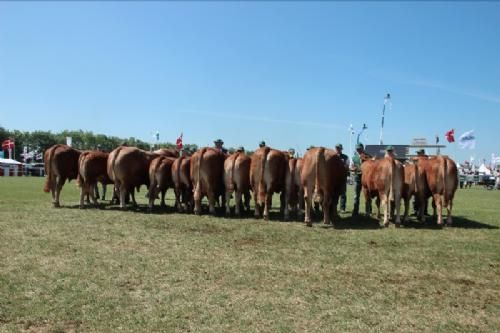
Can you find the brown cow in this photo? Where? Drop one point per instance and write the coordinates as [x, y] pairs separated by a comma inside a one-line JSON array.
[[169, 152], [92, 169], [207, 176], [160, 179], [237, 179], [294, 192], [383, 179], [410, 186], [323, 178], [61, 163], [440, 178], [128, 168], [183, 188], [267, 176]]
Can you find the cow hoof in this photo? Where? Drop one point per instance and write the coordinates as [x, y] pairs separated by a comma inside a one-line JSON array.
[[56, 205], [397, 225], [309, 224], [266, 218], [82, 207], [386, 224]]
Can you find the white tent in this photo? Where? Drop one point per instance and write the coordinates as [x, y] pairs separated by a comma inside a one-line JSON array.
[[484, 169], [7, 164], [9, 161]]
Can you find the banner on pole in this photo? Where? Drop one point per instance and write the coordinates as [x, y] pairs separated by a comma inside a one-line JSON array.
[[467, 140]]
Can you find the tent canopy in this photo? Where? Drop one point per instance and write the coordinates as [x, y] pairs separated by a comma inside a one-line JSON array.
[[9, 161]]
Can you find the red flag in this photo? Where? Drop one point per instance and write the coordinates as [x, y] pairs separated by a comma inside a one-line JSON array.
[[450, 135], [8, 144], [178, 143]]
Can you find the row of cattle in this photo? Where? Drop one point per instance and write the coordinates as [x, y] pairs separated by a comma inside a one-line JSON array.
[[319, 176]]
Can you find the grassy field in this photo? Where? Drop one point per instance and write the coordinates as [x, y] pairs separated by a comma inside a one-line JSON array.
[[72, 270]]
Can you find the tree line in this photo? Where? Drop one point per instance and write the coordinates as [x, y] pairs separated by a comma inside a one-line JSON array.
[[39, 141]]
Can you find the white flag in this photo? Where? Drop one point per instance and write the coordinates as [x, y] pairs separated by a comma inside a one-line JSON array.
[[467, 140], [68, 141]]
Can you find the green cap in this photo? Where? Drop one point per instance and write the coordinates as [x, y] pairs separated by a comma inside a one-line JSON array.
[[339, 146], [421, 151], [219, 141], [360, 146], [241, 149], [389, 148]]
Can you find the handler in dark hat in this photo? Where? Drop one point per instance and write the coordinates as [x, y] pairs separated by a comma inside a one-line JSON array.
[[345, 159], [262, 144], [219, 146]]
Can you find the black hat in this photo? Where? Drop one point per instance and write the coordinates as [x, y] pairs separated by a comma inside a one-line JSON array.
[[219, 141]]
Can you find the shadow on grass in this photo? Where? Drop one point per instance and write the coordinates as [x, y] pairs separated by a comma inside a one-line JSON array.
[[458, 222]]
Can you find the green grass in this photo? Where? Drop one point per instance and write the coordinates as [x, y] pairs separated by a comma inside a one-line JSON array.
[[71, 270]]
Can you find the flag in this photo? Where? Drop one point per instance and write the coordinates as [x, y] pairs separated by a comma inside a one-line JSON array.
[[450, 135], [178, 142], [8, 144], [467, 140]]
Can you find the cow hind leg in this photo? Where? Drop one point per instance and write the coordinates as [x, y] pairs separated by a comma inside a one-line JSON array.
[[93, 194], [307, 207], [267, 205], [325, 205], [439, 208], [163, 204], [386, 207], [59, 186], [228, 201], [82, 196], [238, 204], [212, 200]]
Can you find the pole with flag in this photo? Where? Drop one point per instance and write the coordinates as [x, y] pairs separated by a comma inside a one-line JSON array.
[[351, 133], [387, 100], [178, 142]]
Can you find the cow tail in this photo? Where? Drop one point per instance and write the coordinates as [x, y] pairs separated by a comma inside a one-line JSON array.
[[152, 174], [113, 161], [392, 180], [79, 179], [197, 190], [320, 157], [231, 173], [262, 185], [445, 171], [48, 168]]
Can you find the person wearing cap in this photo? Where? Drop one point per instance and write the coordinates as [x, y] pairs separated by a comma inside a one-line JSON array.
[[262, 144], [421, 153], [345, 159], [357, 159], [291, 153], [219, 146], [240, 149], [389, 152]]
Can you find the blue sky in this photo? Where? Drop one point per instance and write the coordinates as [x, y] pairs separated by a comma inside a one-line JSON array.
[[291, 73]]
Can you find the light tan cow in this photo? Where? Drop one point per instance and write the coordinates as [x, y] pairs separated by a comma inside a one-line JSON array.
[[92, 169], [128, 168], [183, 188], [160, 179], [323, 178], [237, 180], [440, 178], [61, 164], [207, 176], [294, 192], [383, 179], [267, 176]]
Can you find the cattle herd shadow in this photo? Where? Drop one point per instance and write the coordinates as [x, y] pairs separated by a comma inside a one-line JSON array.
[[343, 222], [458, 222]]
